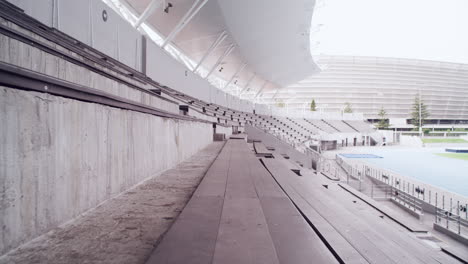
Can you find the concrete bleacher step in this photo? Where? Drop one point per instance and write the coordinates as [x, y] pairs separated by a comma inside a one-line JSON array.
[[459, 253], [331, 125], [385, 210], [238, 214], [342, 248], [361, 229], [350, 126], [261, 150]]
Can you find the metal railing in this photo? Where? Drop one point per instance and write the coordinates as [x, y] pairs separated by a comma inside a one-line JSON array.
[[378, 189], [454, 218], [451, 209], [407, 200]]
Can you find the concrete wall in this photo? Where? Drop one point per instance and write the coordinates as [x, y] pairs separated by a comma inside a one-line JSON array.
[[410, 141], [227, 131], [32, 58], [116, 38], [389, 136], [61, 157], [163, 68], [84, 21]]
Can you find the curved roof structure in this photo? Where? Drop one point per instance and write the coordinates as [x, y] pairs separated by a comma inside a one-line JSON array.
[[275, 40], [274, 46], [369, 83]]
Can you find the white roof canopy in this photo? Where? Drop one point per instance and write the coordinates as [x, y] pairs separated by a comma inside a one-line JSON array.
[[273, 36], [270, 36]]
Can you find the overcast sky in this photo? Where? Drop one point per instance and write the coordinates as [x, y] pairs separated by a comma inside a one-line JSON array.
[[416, 29]]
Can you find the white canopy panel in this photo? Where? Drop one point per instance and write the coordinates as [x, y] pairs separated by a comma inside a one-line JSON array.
[[273, 36]]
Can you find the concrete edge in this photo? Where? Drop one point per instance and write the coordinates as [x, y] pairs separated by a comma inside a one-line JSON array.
[[383, 212], [449, 251], [330, 177], [158, 241], [458, 237], [407, 209]]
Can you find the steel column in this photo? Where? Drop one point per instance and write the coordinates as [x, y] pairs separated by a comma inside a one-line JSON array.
[[148, 11], [225, 54], [276, 93], [184, 21], [213, 46], [248, 83], [260, 90], [239, 70]]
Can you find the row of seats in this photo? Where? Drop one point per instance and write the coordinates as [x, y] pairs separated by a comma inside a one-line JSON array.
[[360, 126], [256, 209], [239, 214], [294, 131], [297, 131]]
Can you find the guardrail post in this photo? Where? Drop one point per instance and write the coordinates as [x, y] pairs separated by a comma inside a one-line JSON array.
[[372, 190], [436, 211], [446, 216], [451, 205], [443, 202], [446, 213], [458, 215]]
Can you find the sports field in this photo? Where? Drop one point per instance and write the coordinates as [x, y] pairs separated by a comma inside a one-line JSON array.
[[430, 165], [462, 156], [443, 140]]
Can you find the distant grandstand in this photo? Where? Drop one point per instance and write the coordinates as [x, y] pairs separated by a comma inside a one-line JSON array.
[[369, 83]]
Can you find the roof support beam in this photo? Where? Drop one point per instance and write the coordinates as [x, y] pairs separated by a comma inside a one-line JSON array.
[[276, 93], [148, 11], [225, 54], [260, 90], [184, 21], [248, 83], [238, 71], [213, 46]]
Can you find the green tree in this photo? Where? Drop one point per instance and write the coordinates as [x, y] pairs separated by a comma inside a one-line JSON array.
[[419, 110], [313, 107], [383, 122], [348, 108]]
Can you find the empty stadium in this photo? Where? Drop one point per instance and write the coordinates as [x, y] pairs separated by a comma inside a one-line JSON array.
[[159, 131]]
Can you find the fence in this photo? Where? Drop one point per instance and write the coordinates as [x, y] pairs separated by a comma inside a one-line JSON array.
[[454, 222], [415, 195], [330, 168]]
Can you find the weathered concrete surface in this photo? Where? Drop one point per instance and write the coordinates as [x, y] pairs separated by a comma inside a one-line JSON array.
[[123, 229], [62, 157], [26, 56]]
